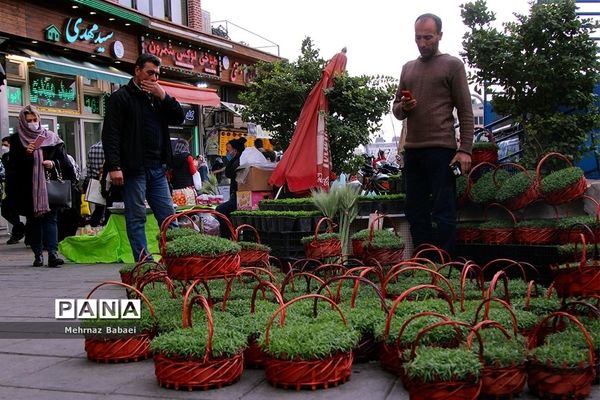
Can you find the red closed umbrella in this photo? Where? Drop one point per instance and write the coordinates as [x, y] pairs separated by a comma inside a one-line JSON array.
[[306, 164]]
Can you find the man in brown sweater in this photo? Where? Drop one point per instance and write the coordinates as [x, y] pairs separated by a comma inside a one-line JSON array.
[[430, 88]]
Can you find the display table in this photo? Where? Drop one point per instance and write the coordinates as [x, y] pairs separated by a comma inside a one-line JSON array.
[[110, 245]]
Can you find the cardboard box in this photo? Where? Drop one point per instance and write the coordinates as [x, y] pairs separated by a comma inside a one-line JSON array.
[[248, 200], [257, 180]]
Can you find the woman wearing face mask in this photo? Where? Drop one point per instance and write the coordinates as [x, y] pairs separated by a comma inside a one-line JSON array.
[[35, 152]]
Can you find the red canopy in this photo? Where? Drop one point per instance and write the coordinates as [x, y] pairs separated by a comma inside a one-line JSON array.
[[191, 94], [305, 164]]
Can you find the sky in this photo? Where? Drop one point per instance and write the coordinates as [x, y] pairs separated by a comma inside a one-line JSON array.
[[377, 33]]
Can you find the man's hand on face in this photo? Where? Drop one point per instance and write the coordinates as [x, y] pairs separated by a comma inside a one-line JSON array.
[[154, 88]]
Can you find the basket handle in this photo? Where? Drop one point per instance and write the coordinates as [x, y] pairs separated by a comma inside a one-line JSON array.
[[475, 333], [434, 274], [282, 309], [454, 324], [357, 279], [404, 295], [593, 309], [373, 224], [261, 286], [510, 213], [152, 277], [136, 271], [237, 275], [501, 166], [530, 286], [306, 262], [187, 319], [329, 227], [535, 337], [337, 269], [242, 227], [463, 281], [265, 271], [426, 247], [538, 169], [494, 282], [126, 286], [293, 275], [486, 314], [415, 317], [364, 271]]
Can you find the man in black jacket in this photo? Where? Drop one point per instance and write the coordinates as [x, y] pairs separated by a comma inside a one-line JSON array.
[[137, 147]]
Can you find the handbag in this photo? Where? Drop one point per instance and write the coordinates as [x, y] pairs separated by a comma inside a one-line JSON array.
[[93, 192], [59, 190]]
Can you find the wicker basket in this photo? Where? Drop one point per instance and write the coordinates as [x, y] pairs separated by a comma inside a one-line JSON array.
[[479, 156], [320, 249], [307, 374], [113, 350], [551, 382], [251, 258], [497, 235], [382, 256], [499, 382], [524, 199], [197, 267], [197, 373], [579, 280], [468, 389], [565, 195]]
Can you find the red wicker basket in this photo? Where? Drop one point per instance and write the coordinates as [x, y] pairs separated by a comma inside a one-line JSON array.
[[500, 382], [197, 267], [467, 234], [524, 199], [121, 349], [580, 280], [382, 256], [251, 257], [498, 235], [565, 195], [468, 389], [485, 155], [197, 373], [555, 382], [319, 249], [307, 374], [571, 235], [390, 355]]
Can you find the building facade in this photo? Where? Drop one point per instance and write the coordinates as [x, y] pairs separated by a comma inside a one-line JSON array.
[[67, 56]]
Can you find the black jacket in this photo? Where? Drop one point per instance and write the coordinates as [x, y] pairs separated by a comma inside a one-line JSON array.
[[122, 135], [231, 173], [180, 173], [19, 172]]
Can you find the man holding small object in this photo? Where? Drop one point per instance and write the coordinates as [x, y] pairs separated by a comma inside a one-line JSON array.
[[430, 88], [137, 147]]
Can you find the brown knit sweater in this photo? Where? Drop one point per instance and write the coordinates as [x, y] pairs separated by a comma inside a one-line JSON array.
[[439, 85]]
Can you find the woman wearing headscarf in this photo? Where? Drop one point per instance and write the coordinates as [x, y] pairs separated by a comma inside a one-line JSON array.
[[34, 153], [235, 148], [183, 166]]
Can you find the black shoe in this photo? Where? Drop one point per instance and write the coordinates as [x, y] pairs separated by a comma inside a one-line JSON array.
[[15, 237], [54, 261], [38, 261], [12, 240]]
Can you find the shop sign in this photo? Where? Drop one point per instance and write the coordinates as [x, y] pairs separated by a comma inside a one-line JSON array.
[[77, 30], [176, 57], [91, 104], [53, 91], [236, 71], [190, 115]]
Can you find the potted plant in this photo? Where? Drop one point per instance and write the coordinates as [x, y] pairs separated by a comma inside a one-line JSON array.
[[569, 228], [324, 245], [252, 253], [536, 231], [485, 151], [203, 357], [559, 367], [441, 372], [201, 256], [382, 245], [579, 279], [483, 190], [519, 190], [131, 342], [497, 231], [563, 185], [309, 352]]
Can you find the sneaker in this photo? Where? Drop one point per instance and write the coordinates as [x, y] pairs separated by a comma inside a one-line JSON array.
[[54, 261]]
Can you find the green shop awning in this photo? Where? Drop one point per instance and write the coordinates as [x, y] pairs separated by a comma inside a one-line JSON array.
[[63, 65]]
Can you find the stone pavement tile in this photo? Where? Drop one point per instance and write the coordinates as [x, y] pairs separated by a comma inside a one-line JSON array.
[[24, 367], [17, 393], [148, 386], [47, 347], [79, 374], [368, 381]]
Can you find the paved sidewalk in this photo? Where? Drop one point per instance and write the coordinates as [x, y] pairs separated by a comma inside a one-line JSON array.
[[48, 369]]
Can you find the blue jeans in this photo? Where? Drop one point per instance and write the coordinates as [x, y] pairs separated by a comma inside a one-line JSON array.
[[42, 232], [151, 186], [431, 195]]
